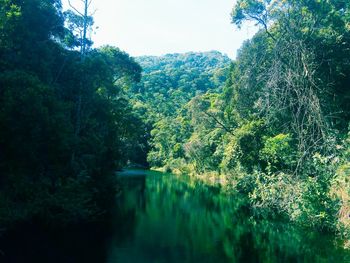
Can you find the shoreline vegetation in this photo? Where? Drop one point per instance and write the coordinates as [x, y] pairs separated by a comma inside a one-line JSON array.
[[302, 201], [272, 196], [272, 125], [278, 129]]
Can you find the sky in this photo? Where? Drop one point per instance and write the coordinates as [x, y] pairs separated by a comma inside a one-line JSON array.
[[157, 27]]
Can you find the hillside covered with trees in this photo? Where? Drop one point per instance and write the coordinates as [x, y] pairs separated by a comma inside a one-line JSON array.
[[168, 83], [278, 131]]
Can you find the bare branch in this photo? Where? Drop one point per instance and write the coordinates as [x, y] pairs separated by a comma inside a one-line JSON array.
[[75, 9]]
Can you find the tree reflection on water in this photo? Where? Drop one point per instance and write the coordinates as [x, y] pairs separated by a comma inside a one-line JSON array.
[[167, 218]]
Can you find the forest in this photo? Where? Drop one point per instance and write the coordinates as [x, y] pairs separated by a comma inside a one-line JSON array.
[[273, 125], [65, 122]]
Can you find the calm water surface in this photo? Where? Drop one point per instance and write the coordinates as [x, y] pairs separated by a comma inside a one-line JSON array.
[[164, 218]]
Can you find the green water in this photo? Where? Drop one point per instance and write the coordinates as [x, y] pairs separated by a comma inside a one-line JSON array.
[[165, 218]]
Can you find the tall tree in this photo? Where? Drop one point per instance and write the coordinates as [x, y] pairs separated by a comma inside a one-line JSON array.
[[80, 22]]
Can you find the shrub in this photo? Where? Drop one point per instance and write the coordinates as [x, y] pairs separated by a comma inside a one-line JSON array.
[[278, 153], [320, 208], [244, 147], [277, 193], [340, 188]]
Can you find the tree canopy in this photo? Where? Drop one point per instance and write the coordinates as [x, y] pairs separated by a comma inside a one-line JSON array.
[[64, 120]]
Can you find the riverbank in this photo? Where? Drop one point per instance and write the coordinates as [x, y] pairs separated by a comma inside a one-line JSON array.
[[178, 218], [309, 202]]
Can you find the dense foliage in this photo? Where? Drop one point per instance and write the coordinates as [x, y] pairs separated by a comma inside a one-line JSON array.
[[278, 129], [64, 121], [168, 83], [273, 124], [172, 80]]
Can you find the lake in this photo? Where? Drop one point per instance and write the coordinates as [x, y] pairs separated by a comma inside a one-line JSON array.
[[167, 218]]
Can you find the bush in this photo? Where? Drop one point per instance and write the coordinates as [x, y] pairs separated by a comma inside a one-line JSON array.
[[246, 184], [320, 207], [278, 153], [340, 189], [278, 193], [244, 147]]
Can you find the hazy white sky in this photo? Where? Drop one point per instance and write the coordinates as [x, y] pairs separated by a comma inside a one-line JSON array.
[[156, 27]]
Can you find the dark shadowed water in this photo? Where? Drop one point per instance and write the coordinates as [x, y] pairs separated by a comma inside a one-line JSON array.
[[165, 218]]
